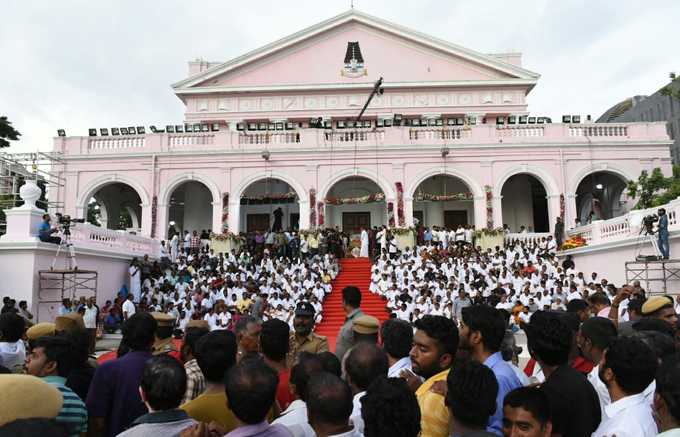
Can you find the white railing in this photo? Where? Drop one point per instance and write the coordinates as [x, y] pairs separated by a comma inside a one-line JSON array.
[[86, 235], [269, 138], [532, 238], [175, 140], [598, 130], [626, 226], [437, 134], [116, 143], [520, 131]]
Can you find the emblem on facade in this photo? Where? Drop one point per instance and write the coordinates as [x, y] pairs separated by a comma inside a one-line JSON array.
[[354, 61]]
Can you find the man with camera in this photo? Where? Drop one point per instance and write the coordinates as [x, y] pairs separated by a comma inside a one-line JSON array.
[[664, 247], [45, 231]]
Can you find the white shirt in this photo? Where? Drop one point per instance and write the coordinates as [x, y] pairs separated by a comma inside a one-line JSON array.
[[90, 317], [129, 308], [295, 419], [356, 418], [603, 393], [628, 417], [395, 369]]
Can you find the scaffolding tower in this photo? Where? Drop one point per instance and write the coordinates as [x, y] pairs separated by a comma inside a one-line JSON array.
[[657, 277], [57, 285], [46, 168]]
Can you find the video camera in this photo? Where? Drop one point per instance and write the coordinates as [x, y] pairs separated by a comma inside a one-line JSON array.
[[648, 222], [65, 222]]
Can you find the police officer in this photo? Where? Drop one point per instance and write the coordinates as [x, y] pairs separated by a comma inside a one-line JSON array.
[[164, 343], [303, 339]]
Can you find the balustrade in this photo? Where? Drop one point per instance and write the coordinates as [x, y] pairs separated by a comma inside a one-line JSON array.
[[86, 235]]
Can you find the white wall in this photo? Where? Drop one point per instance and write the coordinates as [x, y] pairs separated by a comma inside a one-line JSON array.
[[197, 207], [433, 212], [517, 206]]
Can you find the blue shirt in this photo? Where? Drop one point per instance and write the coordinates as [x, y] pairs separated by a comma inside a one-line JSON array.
[[73, 413], [44, 230], [507, 381]]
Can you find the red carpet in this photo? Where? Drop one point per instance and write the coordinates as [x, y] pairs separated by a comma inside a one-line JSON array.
[[357, 272]]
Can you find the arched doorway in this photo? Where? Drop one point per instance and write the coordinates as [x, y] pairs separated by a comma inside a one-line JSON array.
[[443, 200], [602, 193], [190, 208], [525, 204], [115, 206], [269, 204], [355, 202]]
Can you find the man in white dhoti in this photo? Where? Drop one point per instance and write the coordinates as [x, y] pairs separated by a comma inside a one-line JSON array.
[[364, 243]]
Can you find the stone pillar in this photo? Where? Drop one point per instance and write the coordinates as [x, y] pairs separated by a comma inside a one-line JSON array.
[[480, 212], [553, 210], [570, 212], [304, 213], [234, 215], [23, 221], [162, 221], [408, 211], [216, 216], [146, 221]]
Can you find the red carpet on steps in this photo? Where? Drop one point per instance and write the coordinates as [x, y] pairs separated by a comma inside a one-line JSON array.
[[357, 272]]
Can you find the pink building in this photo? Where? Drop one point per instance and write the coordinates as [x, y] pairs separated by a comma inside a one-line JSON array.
[[450, 140]]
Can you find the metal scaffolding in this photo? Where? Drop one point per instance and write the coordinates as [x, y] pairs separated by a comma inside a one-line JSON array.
[[657, 277], [57, 285], [44, 167]]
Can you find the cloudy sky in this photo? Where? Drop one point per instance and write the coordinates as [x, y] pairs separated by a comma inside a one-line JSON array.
[[79, 64]]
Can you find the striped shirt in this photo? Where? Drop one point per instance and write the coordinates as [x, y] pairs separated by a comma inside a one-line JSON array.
[[73, 413]]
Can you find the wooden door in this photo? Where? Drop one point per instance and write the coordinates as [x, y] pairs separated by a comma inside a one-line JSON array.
[[352, 222], [454, 218], [257, 222], [294, 222]]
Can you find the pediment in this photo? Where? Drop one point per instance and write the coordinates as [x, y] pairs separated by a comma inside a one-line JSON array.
[[317, 56]]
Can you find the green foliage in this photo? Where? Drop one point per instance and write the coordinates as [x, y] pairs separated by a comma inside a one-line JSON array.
[[7, 131], [655, 189]]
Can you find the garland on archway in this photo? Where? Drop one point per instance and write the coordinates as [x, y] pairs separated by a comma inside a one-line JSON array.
[[225, 213], [390, 214], [312, 208], [269, 198], [562, 207], [401, 219], [442, 197], [370, 198], [154, 215], [488, 192], [322, 217]]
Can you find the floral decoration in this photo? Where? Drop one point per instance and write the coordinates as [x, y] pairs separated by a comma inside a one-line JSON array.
[[312, 209], [402, 231], [320, 207], [375, 197], [225, 236], [269, 198], [154, 215], [225, 213], [488, 192], [401, 219], [390, 214], [574, 242], [486, 232], [442, 197], [562, 206]]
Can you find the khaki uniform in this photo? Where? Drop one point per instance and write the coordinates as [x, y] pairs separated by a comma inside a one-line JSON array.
[[163, 346], [313, 343]]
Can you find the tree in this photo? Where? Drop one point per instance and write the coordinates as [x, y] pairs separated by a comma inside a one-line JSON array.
[[7, 131], [655, 189]]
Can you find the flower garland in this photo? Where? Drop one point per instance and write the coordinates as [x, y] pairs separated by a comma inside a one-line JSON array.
[[225, 213], [402, 231], [154, 215], [312, 208], [574, 242], [270, 198], [322, 217], [307, 232], [562, 206], [375, 197], [442, 197], [390, 214], [489, 232], [225, 236], [488, 192], [401, 219]]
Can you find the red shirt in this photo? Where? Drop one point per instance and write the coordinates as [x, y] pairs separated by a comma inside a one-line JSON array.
[[283, 394]]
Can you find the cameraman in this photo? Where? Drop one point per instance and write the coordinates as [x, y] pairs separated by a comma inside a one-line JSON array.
[[45, 231], [664, 247]]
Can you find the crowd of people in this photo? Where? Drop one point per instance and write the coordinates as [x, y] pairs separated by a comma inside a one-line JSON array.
[[224, 344]]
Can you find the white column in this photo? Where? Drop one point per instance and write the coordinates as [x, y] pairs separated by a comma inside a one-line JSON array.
[[217, 216], [162, 221], [408, 211], [234, 215], [553, 210], [480, 212], [304, 214], [570, 212], [497, 204], [146, 221]]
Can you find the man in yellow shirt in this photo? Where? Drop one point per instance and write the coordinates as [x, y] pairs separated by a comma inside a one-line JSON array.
[[434, 348]]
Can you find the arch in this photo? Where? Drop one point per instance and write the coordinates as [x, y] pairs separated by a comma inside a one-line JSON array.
[[595, 168], [246, 182], [549, 183], [178, 180], [102, 181], [474, 187], [384, 185]]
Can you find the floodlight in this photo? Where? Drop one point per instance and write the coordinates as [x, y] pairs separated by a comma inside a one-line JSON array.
[[61, 132], [123, 131], [523, 119], [265, 155], [500, 120], [179, 128], [153, 129], [115, 131], [92, 132], [170, 129], [444, 151], [240, 126], [279, 126], [599, 186], [141, 130], [290, 125], [566, 119], [512, 119], [104, 132], [132, 130], [532, 120], [387, 122], [575, 118]]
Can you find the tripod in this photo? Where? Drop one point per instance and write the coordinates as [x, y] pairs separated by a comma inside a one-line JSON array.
[[647, 235], [70, 262]]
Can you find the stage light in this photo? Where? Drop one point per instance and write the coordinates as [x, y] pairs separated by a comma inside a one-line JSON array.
[[450, 121], [512, 119], [351, 124], [154, 130], [589, 118], [532, 120], [132, 130], [431, 122], [265, 155], [92, 132], [214, 127], [170, 129], [141, 130], [367, 123], [240, 126], [599, 186], [341, 124], [290, 125], [575, 118], [380, 123], [179, 128], [61, 132], [205, 127], [548, 119], [500, 120], [252, 126], [262, 126], [398, 119], [271, 126], [115, 131], [197, 127], [566, 119], [387, 122], [540, 120], [471, 120], [104, 132], [279, 126], [188, 127], [123, 131], [523, 119], [444, 151]]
